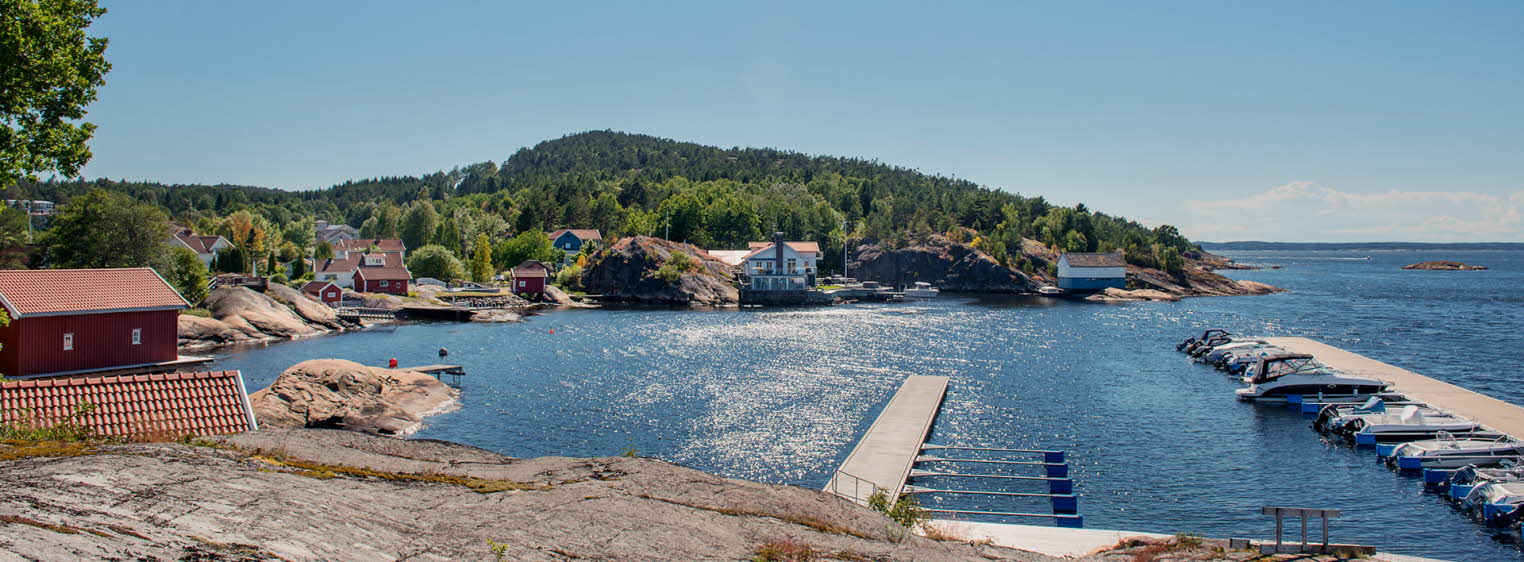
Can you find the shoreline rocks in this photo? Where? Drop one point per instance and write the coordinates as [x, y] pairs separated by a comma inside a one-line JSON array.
[[309, 494], [936, 259], [339, 394], [626, 271], [1444, 265], [241, 315]]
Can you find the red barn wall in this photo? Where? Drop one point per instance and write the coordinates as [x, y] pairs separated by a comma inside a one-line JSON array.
[[35, 345]]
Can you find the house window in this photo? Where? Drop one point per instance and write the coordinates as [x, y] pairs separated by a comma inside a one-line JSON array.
[[137, 336], [68, 342], [523, 284], [384, 283]]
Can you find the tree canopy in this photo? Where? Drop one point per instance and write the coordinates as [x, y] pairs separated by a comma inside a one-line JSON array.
[[49, 71]]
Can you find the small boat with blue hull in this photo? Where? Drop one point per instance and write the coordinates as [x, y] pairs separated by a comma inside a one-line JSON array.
[[1410, 423], [1296, 377], [1447, 451], [1496, 503], [1458, 484]]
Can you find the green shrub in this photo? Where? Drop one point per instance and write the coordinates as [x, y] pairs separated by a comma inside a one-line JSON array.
[[676, 265]]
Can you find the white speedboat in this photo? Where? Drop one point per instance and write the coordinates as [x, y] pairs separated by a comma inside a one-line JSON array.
[[1277, 377], [922, 290], [1050, 291], [1411, 423], [1446, 451]]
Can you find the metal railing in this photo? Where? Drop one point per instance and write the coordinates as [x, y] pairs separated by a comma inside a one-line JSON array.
[[856, 487]]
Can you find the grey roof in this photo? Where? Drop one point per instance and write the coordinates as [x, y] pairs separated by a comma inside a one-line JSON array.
[[1113, 259]]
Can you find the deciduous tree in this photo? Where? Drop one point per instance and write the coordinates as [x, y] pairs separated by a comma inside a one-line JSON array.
[[49, 71]]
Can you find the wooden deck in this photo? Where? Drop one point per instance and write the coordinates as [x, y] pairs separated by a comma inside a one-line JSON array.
[[436, 370], [1495, 414], [882, 459]]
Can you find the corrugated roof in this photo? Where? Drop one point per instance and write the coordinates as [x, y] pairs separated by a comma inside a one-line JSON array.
[[583, 234], [1113, 259], [161, 405], [31, 292]]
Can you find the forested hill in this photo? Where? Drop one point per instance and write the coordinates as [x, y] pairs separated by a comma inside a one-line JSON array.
[[626, 184]]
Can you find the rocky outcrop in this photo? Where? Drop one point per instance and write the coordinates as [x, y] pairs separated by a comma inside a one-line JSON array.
[[951, 266], [1444, 265], [627, 271], [1194, 281], [243, 315], [310, 494], [310, 310], [1124, 295], [333, 393]]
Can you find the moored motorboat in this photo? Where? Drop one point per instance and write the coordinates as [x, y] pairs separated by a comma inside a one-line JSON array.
[[1411, 423], [922, 290], [1460, 482], [1447, 451], [1496, 503], [1207, 335], [1050, 291], [1295, 376]]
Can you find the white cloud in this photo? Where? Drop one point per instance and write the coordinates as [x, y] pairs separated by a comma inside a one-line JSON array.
[[1304, 211]]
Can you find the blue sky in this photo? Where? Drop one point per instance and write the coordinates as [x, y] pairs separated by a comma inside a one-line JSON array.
[[1280, 120]]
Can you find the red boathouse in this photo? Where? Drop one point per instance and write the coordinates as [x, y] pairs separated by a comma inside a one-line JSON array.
[[324, 292], [67, 321], [529, 278]]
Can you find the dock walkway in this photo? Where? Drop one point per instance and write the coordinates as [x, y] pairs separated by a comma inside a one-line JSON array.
[[436, 370], [1495, 414], [882, 459]]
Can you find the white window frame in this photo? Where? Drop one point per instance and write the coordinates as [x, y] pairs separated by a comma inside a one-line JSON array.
[[68, 342], [384, 282], [137, 336]]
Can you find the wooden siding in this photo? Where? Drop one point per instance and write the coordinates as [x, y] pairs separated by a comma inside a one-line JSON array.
[[532, 285], [34, 346]]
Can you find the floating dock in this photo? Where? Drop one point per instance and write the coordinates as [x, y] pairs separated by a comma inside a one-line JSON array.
[[1495, 414], [883, 458], [438, 371]]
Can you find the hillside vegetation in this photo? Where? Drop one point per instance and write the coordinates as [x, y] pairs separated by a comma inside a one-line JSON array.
[[627, 185]]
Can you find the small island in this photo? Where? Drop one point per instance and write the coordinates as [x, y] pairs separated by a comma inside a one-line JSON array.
[[1444, 265]]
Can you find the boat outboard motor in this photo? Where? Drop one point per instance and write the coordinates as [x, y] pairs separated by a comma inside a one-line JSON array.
[[1209, 334], [1206, 347]]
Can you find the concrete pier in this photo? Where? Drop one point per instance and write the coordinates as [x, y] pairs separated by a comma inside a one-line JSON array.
[[1493, 413], [883, 457]]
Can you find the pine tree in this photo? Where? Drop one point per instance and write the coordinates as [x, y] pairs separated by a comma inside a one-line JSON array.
[[481, 260]]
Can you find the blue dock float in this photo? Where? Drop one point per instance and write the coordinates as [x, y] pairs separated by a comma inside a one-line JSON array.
[[1365, 439], [1386, 450], [1436, 475], [1067, 521], [1459, 492]]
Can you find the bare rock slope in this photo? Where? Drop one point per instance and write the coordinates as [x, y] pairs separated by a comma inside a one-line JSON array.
[[952, 266], [334, 393], [1444, 265], [626, 270], [242, 315], [332, 495]]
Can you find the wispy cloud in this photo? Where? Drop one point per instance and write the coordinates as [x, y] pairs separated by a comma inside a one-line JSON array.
[[1305, 211]]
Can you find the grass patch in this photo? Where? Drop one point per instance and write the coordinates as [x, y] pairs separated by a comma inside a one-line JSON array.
[[788, 549], [128, 531], [61, 529], [810, 521], [17, 449], [202, 312], [323, 471]]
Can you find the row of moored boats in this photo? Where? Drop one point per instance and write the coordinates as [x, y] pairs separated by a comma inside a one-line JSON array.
[[1481, 469]]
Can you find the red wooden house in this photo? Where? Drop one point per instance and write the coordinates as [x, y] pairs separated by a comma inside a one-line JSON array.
[[529, 277], [324, 292], [382, 273], [79, 320]]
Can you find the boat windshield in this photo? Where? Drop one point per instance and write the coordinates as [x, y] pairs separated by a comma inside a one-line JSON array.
[[1294, 366]]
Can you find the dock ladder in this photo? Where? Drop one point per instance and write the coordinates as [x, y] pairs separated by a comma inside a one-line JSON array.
[[1055, 474]]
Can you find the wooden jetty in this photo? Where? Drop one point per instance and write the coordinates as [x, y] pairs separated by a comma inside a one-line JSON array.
[[355, 314], [883, 458], [437, 370], [1490, 412], [457, 314]]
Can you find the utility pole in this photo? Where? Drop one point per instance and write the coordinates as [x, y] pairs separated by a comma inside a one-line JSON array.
[[843, 247]]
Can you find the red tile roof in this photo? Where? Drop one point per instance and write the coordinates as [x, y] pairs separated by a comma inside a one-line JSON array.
[[355, 262], [162, 405], [361, 244], [197, 243], [34, 292], [531, 268], [581, 233], [801, 247]]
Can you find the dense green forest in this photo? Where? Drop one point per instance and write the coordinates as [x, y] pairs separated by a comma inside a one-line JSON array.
[[627, 184]]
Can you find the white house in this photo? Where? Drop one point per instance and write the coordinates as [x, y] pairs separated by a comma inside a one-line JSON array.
[[205, 247], [779, 265], [1091, 272], [334, 233], [340, 270], [798, 257]]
